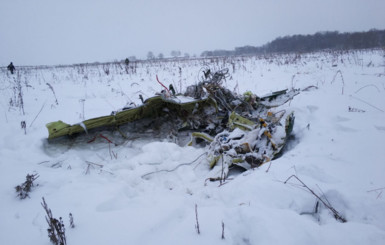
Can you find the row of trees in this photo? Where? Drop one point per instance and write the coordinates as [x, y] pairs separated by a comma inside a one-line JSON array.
[[310, 43], [152, 56], [174, 54], [297, 44]]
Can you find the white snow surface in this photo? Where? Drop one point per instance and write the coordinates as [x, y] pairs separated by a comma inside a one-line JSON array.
[[116, 195]]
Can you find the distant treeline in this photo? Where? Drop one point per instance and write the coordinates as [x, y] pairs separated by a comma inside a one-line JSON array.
[[311, 43]]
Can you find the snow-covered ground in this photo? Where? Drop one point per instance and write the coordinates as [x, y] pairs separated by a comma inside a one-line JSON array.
[[338, 153]]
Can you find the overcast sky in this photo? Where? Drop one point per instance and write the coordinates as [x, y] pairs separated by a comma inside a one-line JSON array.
[[48, 32]]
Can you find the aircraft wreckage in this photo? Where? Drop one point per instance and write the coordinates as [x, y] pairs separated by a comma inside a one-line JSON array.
[[237, 130]]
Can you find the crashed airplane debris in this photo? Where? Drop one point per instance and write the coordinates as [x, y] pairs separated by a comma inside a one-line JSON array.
[[240, 130]]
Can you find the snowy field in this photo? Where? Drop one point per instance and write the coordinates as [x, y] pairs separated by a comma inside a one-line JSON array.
[[116, 196]]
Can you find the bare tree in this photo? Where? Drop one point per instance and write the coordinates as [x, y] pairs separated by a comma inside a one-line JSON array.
[[150, 55], [175, 53]]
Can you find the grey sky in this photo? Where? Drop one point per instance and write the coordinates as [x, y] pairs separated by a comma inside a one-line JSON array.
[[46, 32]]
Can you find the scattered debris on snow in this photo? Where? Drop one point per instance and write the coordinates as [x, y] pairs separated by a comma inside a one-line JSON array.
[[241, 130]]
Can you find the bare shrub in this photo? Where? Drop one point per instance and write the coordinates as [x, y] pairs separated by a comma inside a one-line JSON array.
[[56, 229], [25, 188]]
